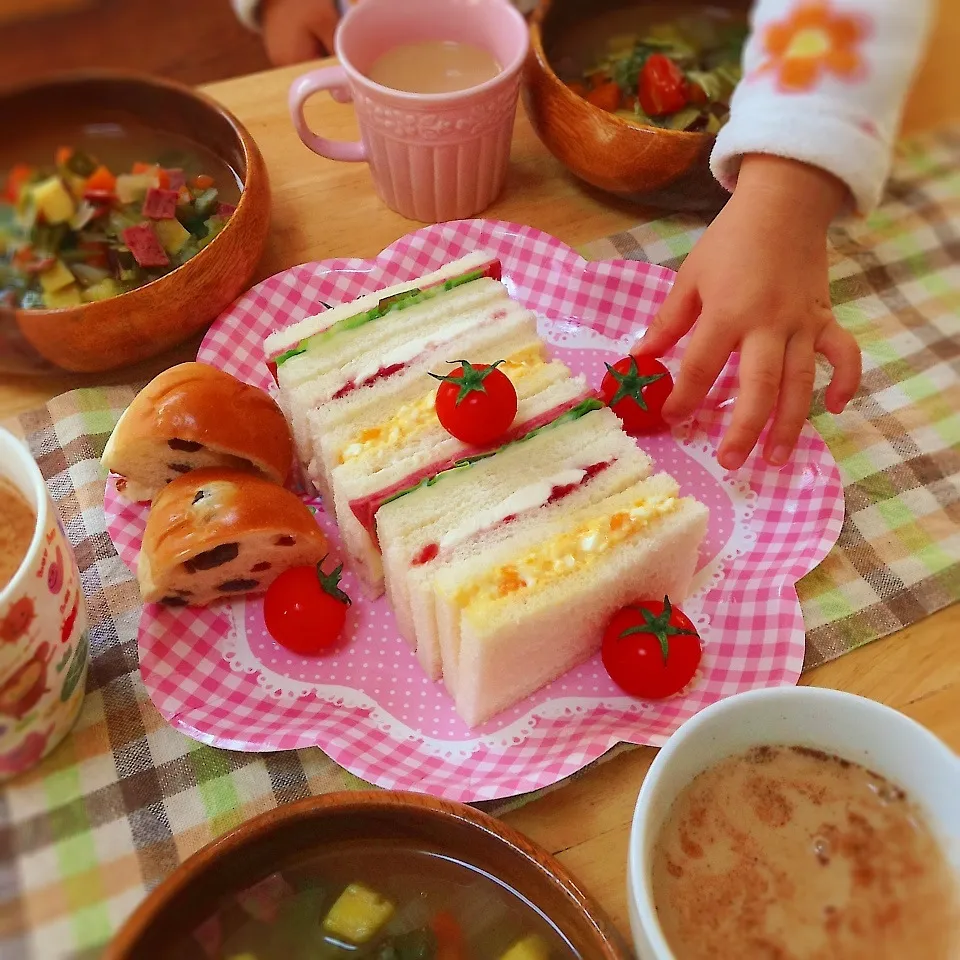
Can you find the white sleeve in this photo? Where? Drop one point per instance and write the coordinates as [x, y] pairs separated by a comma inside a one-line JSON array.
[[824, 82], [246, 11]]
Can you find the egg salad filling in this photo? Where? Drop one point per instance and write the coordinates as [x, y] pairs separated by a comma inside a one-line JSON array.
[[569, 552], [417, 416]]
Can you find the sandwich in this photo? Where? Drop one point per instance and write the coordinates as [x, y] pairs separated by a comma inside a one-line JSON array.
[[328, 419], [382, 336], [515, 613], [295, 340], [582, 457]]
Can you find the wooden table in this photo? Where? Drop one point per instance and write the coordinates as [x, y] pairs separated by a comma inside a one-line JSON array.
[[324, 209]]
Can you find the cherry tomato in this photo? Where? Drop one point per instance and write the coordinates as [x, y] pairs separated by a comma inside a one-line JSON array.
[[696, 94], [606, 96], [476, 403], [651, 650], [662, 86], [636, 390], [305, 609], [580, 89]]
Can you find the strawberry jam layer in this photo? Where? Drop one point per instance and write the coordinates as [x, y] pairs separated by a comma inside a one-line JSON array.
[[382, 374], [563, 490], [365, 508], [431, 550]]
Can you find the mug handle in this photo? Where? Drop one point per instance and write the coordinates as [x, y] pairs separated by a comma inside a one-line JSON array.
[[335, 80]]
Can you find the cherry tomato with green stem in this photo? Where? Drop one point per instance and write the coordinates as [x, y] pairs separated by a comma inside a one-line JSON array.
[[635, 389], [651, 649], [476, 403], [304, 609]]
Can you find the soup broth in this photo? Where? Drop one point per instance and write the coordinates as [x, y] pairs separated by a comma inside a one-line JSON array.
[[376, 901]]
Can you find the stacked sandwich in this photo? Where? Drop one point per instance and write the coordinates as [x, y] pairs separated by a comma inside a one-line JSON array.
[[503, 564]]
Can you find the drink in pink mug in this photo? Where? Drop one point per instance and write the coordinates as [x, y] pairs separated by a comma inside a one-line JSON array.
[[434, 156]]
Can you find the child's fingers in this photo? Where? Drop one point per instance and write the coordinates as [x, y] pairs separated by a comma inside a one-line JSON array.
[[793, 407], [761, 370], [702, 362], [675, 318], [840, 348], [290, 42], [323, 25]]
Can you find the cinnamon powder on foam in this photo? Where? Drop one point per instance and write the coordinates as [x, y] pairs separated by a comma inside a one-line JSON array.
[[790, 853]]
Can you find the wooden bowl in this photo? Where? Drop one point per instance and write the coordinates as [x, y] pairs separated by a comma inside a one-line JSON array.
[[668, 168], [264, 844], [113, 333]]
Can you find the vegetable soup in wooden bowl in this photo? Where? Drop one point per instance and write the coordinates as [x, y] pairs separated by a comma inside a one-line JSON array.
[[629, 95], [132, 212], [370, 876]]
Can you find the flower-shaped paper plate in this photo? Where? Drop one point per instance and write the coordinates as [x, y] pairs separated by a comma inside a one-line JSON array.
[[217, 675]]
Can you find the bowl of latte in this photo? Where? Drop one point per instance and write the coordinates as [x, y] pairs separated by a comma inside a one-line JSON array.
[[798, 823]]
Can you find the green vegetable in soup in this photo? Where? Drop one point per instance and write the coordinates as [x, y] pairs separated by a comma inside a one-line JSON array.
[[415, 945], [75, 231]]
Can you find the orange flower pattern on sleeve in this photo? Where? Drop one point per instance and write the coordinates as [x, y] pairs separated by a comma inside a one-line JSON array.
[[811, 43]]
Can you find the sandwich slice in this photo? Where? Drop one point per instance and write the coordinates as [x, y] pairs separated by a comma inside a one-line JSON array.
[[582, 457], [398, 319], [362, 393], [284, 345], [516, 614], [410, 446]]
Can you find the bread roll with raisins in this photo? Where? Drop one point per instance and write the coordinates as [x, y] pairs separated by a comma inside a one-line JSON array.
[[216, 533]]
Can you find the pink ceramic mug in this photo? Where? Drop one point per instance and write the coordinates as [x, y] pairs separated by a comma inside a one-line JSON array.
[[433, 157]]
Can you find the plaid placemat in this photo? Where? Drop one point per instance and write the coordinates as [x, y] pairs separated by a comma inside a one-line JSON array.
[[126, 798], [896, 286]]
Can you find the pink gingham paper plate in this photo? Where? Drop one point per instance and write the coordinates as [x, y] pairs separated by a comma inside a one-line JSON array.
[[217, 675]]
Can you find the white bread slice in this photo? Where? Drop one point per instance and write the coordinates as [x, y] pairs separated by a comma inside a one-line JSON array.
[[431, 451], [506, 648], [374, 339], [435, 525], [288, 338], [315, 413]]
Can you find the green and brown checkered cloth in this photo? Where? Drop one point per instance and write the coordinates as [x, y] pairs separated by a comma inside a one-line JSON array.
[[126, 798]]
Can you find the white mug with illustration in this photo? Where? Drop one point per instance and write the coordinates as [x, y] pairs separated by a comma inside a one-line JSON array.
[[44, 645]]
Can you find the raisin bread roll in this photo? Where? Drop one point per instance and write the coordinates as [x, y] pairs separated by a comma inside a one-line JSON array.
[[216, 533], [192, 416]]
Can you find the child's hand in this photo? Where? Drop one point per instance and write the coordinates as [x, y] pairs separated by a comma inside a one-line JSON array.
[[757, 283], [298, 30]]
